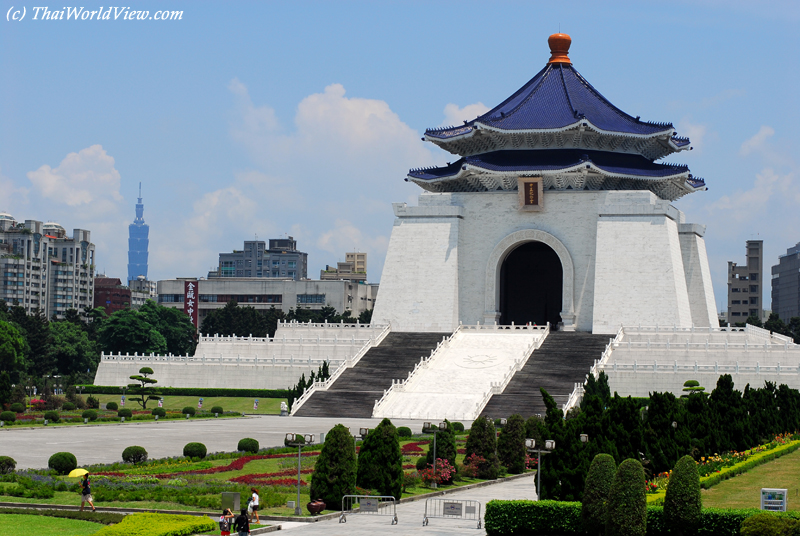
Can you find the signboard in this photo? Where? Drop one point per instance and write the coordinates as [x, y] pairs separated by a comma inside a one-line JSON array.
[[531, 193], [190, 294], [452, 509], [200, 404], [773, 499], [368, 505]]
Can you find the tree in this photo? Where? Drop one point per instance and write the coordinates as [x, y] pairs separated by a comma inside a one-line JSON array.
[[365, 317], [482, 442], [627, 501], [380, 462], [144, 390], [12, 347], [596, 492], [235, 320], [692, 386], [597, 387], [127, 331], [445, 445], [34, 328], [173, 324], [72, 349], [683, 503], [511, 444], [335, 471]]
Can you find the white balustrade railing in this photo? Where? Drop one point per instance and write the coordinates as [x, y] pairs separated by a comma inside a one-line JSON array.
[[695, 367], [346, 364], [574, 398], [219, 360]]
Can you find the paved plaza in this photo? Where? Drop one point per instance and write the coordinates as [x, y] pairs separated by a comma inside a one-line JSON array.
[[104, 443], [410, 514]]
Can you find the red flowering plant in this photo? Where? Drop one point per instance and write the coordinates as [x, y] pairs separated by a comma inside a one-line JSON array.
[[38, 404], [411, 449], [530, 462], [444, 473], [471, 465]]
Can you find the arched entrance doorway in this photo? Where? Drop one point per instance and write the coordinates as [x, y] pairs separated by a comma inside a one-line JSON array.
[[531, 280]]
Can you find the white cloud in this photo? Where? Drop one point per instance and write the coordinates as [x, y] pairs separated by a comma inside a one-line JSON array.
[[453, 115], [769, 188], [696, 132], [85, 177], [14, 197], [757, 142]]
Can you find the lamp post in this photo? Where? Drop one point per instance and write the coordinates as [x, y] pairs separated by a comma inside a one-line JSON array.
[[442, 426], [297, 440], [549, 445], [362, 433], [494, 426]]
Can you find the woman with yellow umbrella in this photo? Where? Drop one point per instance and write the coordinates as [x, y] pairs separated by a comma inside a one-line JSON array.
[[86, 487]]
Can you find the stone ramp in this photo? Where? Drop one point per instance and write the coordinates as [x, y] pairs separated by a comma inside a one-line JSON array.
[[563, 360], [354, 393], [457, 380]]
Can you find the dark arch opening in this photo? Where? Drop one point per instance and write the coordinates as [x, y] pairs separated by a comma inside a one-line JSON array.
[[531, 280]]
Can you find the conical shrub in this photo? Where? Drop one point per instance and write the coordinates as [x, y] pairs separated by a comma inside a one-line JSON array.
[[335, 471], [595, 493], [380, 463], [511, 445], [626, 514], [683, 502]]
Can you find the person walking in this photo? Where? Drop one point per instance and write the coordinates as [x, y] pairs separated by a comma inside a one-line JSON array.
[[225, 522], [86, 492], [242, 524], [254, 504]]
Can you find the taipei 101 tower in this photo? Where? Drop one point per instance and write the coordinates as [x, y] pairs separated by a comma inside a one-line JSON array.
[[138, 242]]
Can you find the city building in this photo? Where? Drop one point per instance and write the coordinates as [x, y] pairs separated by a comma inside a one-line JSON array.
[[264, 294], [44, 268], [786, 284], [745, 292], [353, 269], [142, 290], [138, 242], [111, 294], [280, 260]]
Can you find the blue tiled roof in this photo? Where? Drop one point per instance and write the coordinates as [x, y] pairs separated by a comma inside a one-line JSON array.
[[558, 96], [557, 159]]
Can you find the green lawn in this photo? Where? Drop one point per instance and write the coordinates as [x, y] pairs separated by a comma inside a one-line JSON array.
[[744, 491], [23, 525], [266, 406]]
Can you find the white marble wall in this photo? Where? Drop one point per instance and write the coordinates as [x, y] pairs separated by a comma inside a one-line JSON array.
[[698, 275], [622, 249]]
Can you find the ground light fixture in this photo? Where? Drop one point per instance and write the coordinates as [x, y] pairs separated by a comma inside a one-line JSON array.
[[298, 440]]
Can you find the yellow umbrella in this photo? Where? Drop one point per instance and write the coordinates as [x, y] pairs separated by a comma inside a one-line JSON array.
[[77, 472]]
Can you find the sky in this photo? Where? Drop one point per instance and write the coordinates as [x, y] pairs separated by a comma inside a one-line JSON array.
[[269, 119]]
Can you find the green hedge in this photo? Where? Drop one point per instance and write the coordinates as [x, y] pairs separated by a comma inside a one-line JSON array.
[[159, 525], [97, 517], [194, 391], [554, 518], [753, 461]]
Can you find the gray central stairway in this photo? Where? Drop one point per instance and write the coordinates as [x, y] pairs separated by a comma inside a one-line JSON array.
[[563, 360], [354, 393]]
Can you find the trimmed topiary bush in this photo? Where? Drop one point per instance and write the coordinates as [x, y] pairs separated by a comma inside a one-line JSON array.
[[217, 409], [62, 462], [7, 465], [482, 442], [768, 524], [595, 493], [404, 431], [458, 427], [89, 414], [380, 463], [125, 412], [511, 445], [334, 474], [112, 406], [194, 450], [161, 412], [189, 410], [422, 463], [8, 416], [627, 501], [134, 454], [18, 407], [683, 503], [51, 416], [248, 444], [68, 406]]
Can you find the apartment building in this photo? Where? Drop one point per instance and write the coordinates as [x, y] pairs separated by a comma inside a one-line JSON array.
[[281, 260], [786, 284], [745, 285]]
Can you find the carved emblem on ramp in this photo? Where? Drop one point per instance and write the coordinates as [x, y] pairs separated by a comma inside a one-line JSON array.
[[478, 361]]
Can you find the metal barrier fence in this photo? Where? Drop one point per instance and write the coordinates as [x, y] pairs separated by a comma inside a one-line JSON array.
[[376, 505], [452, 509]]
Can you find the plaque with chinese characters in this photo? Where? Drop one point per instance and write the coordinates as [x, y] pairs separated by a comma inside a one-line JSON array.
[[531, 193]]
